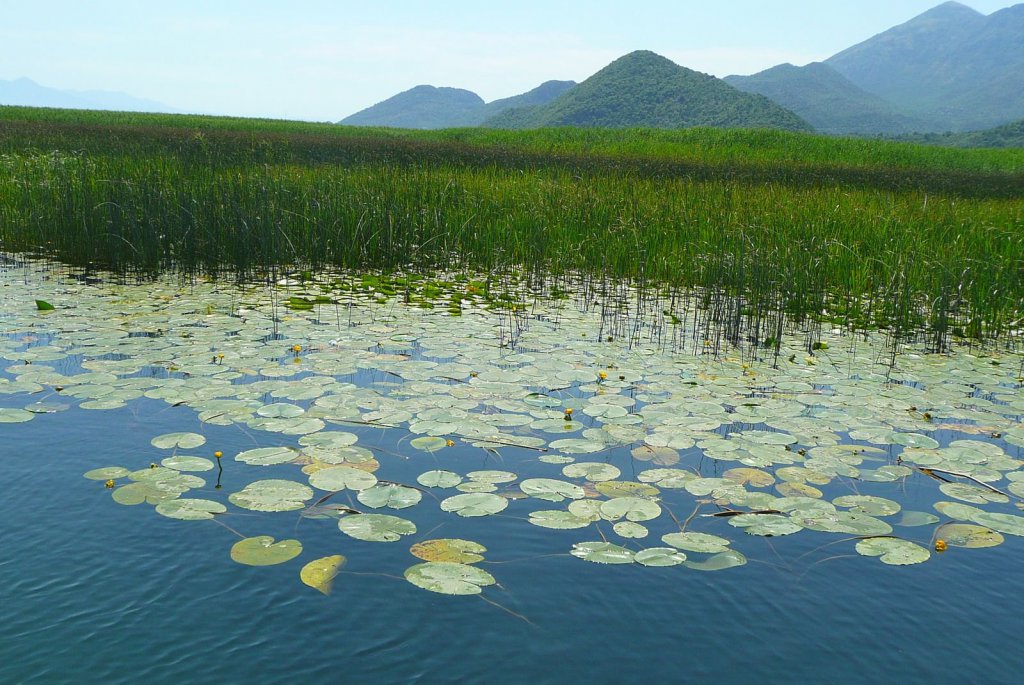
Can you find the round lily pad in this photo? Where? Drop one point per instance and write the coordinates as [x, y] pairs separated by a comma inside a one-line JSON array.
[[449, 549], [625, 488], [602, 553], [730, 558], [1011, 524], [267, 456], [439, 479], [187, 463], [659, 556], [475, 504], [169, 441], [968, 536], [107, 473], [867, 504], [558, 519], [629, 529], [263, 551], [389, 495], [376, 527], [893, 551], [429, 443], [272, 495], [696, 542], [632, 508], [591, 470], [449, 578], [337, 478], [551, 490], [190, 509], [765, 525]]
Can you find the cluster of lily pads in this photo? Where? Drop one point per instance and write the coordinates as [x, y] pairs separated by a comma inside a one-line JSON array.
[[605, 438]]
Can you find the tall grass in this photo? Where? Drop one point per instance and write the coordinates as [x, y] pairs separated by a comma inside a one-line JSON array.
[[860, 232]]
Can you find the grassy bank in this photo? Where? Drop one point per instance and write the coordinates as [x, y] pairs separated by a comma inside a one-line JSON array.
[[863, 232]]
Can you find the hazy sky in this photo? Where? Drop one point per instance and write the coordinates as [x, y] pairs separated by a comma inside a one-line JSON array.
[[325, 59]]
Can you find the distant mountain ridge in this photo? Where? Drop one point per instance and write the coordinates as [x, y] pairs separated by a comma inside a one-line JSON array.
[[430, 107], [952, 65], [27, 93], [827, 100], [646, 89]]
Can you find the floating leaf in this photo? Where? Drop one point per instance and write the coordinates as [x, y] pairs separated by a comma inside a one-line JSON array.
[[450, 550], [602, 553], [917, 518], [969, 536], [558, 519], [449, 578], [263, 551], [169, 441], [765, 525], [389, 495], [429, 443], [629, 529], [272, 495], [662, 456], [319, 574], [632, 508], [107, 473], [1010, 524], [376, 527], [867, 504], [551, 490], [337, 478], [747, 476], [972, 493], [718, 562], [190, 509], [696, 542], [659, 556], [475, 504], [893, 551], [267, 456], [439, 479], [591, 470], [8, 415], [186, 463], [625, 488]]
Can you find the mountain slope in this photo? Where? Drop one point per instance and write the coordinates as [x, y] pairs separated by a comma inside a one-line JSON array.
[[951, 64], [827, 100], [541, 95], [422, 107], [27, 93], [645, 89]]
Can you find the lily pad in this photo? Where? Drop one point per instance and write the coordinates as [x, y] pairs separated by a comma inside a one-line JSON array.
[[449, 578], [376, 527], [551, 490], [659, 556], [969, 536], [450, 550], [187, 463], [592, 471], [893, 551], [107, 473], [558, 519], [169, 441], [718, 562], [263, 551], [602, 553], [389, 495], [272, 495], [439, 479], [267, 456], [765, 525], [337, 478], [696, 542], [475, 504], [632, 508], [629, 529], [190, 509], [319, 574]]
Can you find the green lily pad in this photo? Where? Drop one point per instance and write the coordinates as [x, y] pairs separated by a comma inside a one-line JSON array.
[[389, 495], [1010, 524], [659, 556], [137, 493], [765, 525], [972, 493], [263, 551], [629, 529], [969, 536], [696, 542], [190, 509], [319, 574], [107, 473], [917, 518], [632, 508], [448, 578], [625, 488], [893, 551], [867, 504], [272, 495], [376, 527], [267, 456], [429, 443], [187, 463], [551, 490], [169, 441], [439, 479], [591, 470], [475, 504], [450, 550], [558, 519], [335, 478], [602, 553], [718, 562]]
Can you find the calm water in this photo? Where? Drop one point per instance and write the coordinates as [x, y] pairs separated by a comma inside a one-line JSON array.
[[93, 592]]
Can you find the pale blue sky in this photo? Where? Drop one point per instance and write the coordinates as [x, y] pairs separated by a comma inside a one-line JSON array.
[[324, 59]]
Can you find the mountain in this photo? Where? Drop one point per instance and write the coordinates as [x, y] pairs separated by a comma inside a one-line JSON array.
[[27, 93], [955, 66], [541, 95], [645, 89], [1007, 135], [422, 107], [827, 100]]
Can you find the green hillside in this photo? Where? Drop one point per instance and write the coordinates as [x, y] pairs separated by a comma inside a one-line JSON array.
[[1007, 135], [827, 100], [541, 95], [645, 89], [422, 107], [955, 66]]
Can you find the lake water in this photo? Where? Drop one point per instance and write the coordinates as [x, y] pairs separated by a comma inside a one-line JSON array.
[[93, 591]]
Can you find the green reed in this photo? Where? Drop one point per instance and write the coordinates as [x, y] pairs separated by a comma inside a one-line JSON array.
[[862, 233]]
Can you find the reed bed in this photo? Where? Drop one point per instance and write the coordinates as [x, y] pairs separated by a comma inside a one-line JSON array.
[[862, 233]]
